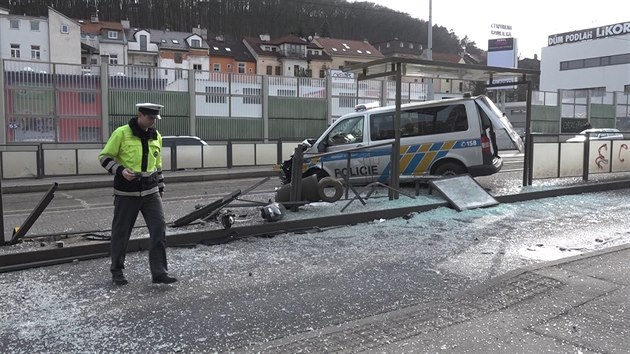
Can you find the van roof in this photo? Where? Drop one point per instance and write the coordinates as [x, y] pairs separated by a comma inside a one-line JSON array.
[[413, 104]]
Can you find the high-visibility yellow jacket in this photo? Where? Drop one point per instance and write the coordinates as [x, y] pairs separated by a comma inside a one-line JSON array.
[[140, 151]]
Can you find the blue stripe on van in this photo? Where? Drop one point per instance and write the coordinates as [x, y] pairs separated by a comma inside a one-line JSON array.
[[415, 160]]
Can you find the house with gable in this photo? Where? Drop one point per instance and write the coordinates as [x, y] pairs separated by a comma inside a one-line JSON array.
[[180, 50], [39, 40], [345, 52], [230, 57], [287, 56], [102, 39], [141, 49]]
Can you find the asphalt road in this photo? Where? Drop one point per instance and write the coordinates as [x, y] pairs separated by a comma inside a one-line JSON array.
[[235, 296], [244, 293]]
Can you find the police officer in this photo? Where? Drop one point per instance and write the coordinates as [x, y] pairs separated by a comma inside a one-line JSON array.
[[133, 154]]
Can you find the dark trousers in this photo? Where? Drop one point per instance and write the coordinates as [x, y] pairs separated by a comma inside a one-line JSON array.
[[125, 214]]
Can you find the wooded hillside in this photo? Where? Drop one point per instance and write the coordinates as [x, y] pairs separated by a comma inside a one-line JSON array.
[[235, 19]]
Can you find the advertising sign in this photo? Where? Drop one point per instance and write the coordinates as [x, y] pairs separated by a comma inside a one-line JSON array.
[[616, 29]]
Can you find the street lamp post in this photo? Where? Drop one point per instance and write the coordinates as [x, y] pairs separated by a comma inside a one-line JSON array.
[[430, 93]]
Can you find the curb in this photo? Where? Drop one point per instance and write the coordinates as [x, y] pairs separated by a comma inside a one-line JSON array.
[[478, 289]]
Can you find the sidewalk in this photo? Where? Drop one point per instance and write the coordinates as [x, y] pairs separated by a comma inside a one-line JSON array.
[[575, 305], [22, 185]]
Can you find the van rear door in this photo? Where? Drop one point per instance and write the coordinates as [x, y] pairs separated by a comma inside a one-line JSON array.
[[502, 126]]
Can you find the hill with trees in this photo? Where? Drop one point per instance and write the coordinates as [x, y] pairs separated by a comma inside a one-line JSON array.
[[235, 19]]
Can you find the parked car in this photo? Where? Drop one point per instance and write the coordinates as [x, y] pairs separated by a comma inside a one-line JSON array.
[[597, 134], [180, 140]]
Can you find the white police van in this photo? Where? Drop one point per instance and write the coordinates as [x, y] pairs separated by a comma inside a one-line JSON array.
[[445, 137]]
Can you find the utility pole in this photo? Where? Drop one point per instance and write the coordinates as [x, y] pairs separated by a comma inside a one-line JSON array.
[[430, 89]]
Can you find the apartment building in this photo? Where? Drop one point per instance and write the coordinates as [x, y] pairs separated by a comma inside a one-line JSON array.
[[287, 56], [230, 57]]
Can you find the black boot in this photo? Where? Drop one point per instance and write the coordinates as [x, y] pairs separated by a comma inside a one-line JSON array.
[[164, 279], [119, 279]]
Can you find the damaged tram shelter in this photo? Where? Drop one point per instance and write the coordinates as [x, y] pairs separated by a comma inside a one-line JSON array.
[[494, 77]]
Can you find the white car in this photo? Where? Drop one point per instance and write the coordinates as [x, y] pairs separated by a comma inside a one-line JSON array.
[[597, 134]]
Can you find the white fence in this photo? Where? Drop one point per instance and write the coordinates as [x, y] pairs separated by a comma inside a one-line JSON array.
[[45, 160]]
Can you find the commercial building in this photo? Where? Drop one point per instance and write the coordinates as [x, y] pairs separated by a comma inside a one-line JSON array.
[[594, 59]]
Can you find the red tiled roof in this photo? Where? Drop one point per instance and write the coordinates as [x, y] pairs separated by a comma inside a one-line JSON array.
[[96, 27], [347, 47]]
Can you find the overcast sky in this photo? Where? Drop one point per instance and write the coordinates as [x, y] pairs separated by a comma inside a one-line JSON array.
[[532, 21]]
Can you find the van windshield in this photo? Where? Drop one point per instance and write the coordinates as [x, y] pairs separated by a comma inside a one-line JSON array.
[[347, 131]]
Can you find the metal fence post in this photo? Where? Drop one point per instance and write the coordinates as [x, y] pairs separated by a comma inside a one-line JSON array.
[[3, 127], [230, 161], [104, 99], [265, 107], [192, 101]]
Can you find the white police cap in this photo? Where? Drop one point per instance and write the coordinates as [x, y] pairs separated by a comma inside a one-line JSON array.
[[150, 109]]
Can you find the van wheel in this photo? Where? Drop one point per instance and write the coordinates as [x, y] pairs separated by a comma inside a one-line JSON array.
[[449, 169]]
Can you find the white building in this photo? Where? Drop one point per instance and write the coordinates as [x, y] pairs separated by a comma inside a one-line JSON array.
[[64, 37], [24, 39], [589, 59], [35, 41]]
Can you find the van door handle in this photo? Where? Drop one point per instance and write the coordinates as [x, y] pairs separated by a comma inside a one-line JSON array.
[[360, 145]]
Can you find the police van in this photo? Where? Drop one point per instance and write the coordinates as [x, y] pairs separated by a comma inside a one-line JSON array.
[[445, 137]]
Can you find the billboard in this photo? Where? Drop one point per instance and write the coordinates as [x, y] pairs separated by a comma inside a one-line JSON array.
[[503, 52]]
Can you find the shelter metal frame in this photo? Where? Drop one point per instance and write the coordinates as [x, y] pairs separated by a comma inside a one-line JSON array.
[[421, 68]]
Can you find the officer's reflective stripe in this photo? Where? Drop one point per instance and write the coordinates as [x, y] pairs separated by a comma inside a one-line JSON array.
[[136, 194], [147, 174]]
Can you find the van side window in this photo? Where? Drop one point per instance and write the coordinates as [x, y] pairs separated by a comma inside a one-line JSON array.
[[382, 126], [420, 121], [348, 131]]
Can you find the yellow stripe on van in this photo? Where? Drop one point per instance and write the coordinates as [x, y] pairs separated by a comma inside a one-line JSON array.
[[425, 147], [448, 145], [426, 162]]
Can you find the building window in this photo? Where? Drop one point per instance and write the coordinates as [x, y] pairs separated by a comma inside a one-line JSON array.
[[113, 58], [195, 43], [287, 93], [14, 24], [241, 68], [410, 45], [269, 70], [402, 44], [278, 70], [178, 58], [595, 62], [216, 67], [93, 61], [322, 73], [143, 43], [35, 52], [387, 45], [197, 67], [254, 94], [34, 25], [15, 50], [216, 94], [112, 34], [65, 29]]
